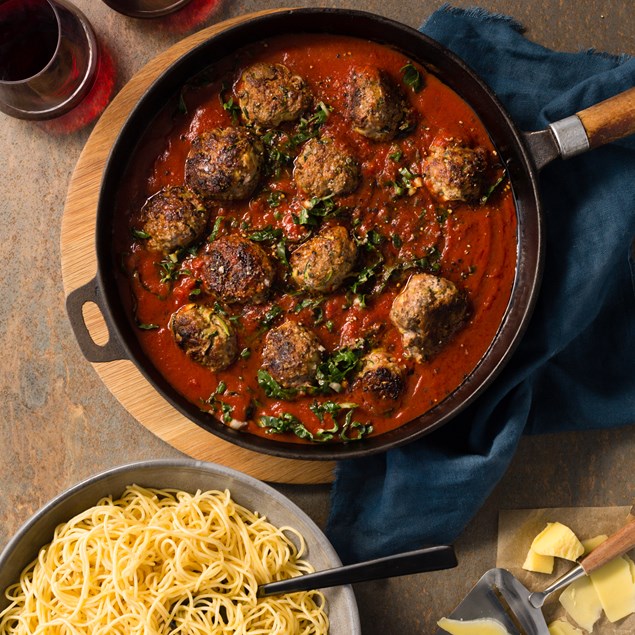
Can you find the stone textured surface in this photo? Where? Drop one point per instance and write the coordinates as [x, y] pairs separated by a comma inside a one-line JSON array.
[[59, 423]]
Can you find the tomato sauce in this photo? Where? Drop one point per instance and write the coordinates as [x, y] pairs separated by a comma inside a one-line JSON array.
[[473, 245]]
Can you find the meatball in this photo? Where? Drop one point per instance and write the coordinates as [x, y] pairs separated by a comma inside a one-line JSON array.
[[325, 169], [291, 355], [374, 104], [236, 270], [428, 312], [173, 218], [269, 94], [381, 380], [322, 263], [453, 172], [206, 337], [224, 163]]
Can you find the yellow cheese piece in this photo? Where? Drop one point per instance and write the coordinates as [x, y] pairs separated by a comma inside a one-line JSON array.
[[560, 627], [615, 587], [538, 563], [591, 543], [484, 626], [558, 540], [582, 604]]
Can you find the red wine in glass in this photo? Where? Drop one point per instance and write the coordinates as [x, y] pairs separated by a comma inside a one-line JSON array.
[[48, 58]]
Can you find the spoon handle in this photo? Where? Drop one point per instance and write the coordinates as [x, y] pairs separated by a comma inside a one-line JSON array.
[[427, 559]]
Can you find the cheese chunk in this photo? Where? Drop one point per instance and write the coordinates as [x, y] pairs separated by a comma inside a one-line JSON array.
[[538, 563], [558, 540], [582, 604], [484, 626], [615, 587], [560, 627], [591, 543]]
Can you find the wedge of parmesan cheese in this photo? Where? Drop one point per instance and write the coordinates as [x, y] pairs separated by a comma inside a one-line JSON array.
[[560, 627], [538, 563], [582, 604], [615, 586], [559, 541], [484, 626]]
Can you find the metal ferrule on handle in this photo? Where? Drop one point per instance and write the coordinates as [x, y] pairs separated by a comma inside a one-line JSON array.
[[570, 136]]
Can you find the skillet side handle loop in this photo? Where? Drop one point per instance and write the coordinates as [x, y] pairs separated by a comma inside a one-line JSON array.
[[618, 544], [93, 352], [610, 120]]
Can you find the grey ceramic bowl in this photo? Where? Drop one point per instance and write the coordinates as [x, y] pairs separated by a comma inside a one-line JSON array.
[[187, 475]]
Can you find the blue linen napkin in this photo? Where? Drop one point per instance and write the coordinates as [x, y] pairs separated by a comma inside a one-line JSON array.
[[575, 367]]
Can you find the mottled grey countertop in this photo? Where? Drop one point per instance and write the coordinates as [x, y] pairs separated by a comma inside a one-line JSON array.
[[59, 423]]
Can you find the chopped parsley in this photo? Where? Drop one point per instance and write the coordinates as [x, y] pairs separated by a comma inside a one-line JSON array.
[[412, 77]]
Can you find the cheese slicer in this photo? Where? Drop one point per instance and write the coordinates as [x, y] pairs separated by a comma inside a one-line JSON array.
[[500, 597]]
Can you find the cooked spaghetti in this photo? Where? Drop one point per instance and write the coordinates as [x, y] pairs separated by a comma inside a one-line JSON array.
[[164, 561]]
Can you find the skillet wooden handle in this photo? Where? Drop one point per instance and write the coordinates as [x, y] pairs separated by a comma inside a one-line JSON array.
[[618, 544], [610, 120]]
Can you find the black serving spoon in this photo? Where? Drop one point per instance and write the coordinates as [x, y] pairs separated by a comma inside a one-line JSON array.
[[427, 559]]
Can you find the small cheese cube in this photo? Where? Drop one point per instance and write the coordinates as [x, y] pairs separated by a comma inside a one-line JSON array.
[[538, 563], [558, 540]]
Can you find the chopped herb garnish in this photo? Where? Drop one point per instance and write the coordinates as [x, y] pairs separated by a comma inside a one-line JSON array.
[[396, 156], [181, 106], [287, 423], [215, 229], [169, 267], [412, 77], [365, 275], [139, 234], [266, 234], [274, 198], [227, 412], [310, 127], [233, 109], [269, 317], [272, 388], [442, 214], [316, 209], [492, 189], [396, 241], [245, 353], [147, 327], [336, 368]]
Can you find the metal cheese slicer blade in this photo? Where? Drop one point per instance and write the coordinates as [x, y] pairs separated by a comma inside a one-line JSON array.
[[499, 596]]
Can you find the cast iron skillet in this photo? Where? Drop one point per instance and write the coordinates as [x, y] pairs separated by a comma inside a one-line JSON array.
[[522, 154]]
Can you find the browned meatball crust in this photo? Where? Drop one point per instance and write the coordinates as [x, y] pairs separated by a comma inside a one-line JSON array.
[[322, 263], [381, 376], [205, 336], [428, 312], [224, 163], [323, 168], [291, 355], [269, 94], [375, 105], [453, 172], [236, 270], [173, 218]]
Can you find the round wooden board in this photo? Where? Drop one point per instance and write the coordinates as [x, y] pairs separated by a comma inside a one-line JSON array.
[[79, 266]]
